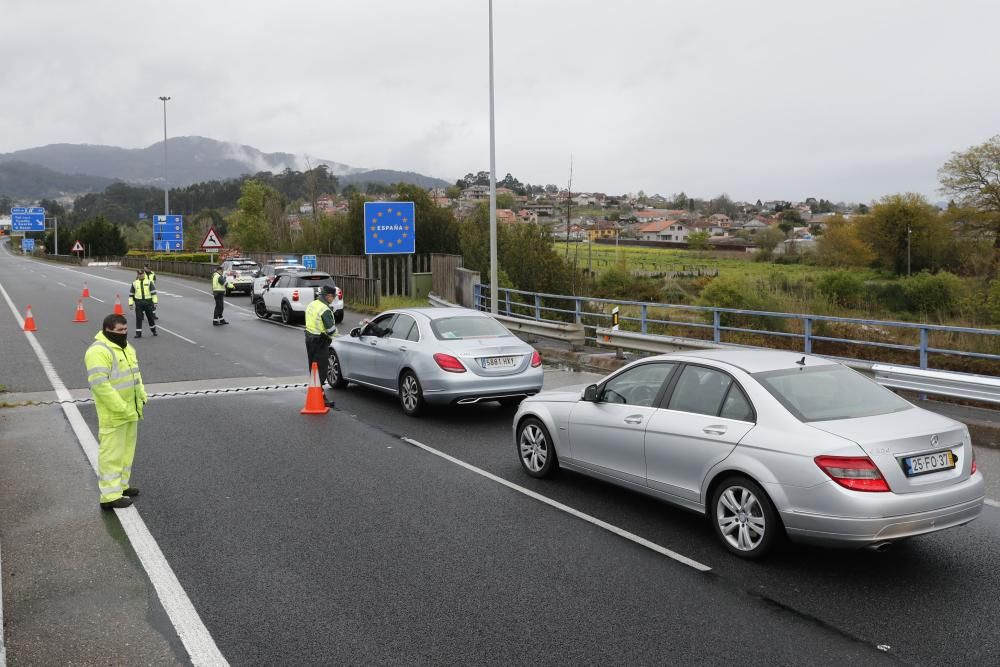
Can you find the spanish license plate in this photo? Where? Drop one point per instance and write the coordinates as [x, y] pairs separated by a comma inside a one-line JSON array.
[[499, 362], [927, 463]]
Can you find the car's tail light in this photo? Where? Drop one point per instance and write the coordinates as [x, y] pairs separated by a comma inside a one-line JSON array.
[[449, 363], [974, 466], [536, 359], [858, 473], [340, 293], [295, 295]]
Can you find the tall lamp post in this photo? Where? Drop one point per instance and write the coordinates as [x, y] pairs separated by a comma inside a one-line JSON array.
[[166, 183], [493, 187], [908, 232]]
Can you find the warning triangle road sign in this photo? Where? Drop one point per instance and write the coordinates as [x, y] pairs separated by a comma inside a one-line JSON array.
[[77, 247], [212, 240]]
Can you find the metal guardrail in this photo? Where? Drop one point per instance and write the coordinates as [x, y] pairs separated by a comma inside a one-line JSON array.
[[628, 340], [572, 333], [808, 329], [942, 383]]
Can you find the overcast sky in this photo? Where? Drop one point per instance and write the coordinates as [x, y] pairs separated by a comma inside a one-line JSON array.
[[848, 100]]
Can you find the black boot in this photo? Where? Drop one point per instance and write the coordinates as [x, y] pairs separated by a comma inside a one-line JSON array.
[[154, 331], [138, 334], [121, 503]]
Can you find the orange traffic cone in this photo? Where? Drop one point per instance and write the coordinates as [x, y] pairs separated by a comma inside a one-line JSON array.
[[29, 321], [118, 305], [80, 315], [315, 400], [86, 291]]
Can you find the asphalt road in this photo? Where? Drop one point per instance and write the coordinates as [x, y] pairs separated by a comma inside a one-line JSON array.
[[307, 540]]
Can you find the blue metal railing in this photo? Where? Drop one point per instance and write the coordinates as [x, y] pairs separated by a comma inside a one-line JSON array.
[[561, 308]]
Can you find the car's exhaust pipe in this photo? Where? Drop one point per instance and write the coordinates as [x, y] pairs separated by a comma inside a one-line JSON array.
[[880, 547], [476, 399]]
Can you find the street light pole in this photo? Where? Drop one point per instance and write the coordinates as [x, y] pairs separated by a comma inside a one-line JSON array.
[[166, 183], [493, 187], [908, 232]]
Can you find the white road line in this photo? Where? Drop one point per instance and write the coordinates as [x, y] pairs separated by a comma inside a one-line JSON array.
[[993, 503], [96, 299], [174, 333], [61, 284], [193, 634], [565, 508]]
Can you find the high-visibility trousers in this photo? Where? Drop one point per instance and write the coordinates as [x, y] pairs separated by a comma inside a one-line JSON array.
[[114, 459]]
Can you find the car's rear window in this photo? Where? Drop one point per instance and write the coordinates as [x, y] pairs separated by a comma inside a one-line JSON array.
[[828, 392], [245, 267], [467, 326], [313, 281]]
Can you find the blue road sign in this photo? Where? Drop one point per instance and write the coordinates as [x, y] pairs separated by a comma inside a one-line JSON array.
[[28, 245], [168, 219], [142, 216], [167, 246], [27, 219], [309, 261], [168, 232], [390, 228]]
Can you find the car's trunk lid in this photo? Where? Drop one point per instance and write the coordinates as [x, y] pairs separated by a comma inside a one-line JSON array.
[[911, 447], [493, 356]]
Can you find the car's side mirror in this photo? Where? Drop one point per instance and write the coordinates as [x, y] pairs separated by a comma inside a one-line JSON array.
[[590, 394], [355, 332]]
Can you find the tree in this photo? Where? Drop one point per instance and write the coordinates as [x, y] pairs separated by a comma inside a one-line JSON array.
[[259, 221], [505, 200], [698, 240], [841, 244], [767, 240], [101, 238], [972, 177], [902, 220]]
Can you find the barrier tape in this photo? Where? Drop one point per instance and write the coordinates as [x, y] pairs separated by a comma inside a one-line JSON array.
[[166, 394]]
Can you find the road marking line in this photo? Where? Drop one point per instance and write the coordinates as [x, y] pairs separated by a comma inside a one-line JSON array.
[[193, 634], [993, 503], [61, 284], [96, 299], [174, 333], [565, 508]]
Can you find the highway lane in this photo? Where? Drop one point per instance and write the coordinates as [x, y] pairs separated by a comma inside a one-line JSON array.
[[877, 598]]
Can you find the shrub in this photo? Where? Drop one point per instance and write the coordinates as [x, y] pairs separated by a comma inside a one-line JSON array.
[[619, 283], [740, 292], [933, 294], [842, 288], [993, 302], [202, 257]]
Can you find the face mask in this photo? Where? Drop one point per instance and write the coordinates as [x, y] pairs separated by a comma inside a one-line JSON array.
[[119, 339]]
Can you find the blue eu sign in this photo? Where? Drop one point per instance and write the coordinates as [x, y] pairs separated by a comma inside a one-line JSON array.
[[390, 228]]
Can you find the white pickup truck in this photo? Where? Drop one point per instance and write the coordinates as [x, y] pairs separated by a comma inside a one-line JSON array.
[[289, 294]]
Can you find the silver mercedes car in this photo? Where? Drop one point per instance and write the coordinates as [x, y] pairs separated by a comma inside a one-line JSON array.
[[766, 443], [437, 356]]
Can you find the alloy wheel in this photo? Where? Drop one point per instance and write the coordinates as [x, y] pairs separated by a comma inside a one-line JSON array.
[[740, 518], [409, 393], [534, 448]]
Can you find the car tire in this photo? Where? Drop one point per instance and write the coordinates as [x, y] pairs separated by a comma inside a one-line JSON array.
[[334, 373], [411, 394], [260, 309], [744, 518], [535, 450], [286, 313], [338, 316]]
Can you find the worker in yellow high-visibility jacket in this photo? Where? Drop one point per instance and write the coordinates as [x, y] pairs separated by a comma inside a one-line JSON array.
[[219, 294], [143, 299], [320, 330], [116, 385]]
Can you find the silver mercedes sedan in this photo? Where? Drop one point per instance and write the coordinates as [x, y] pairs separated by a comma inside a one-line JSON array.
[[437, 356], [766, 443]]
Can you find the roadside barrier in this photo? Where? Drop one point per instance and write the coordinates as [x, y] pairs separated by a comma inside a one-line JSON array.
[[81, 315], [29, 321], [315, 400]]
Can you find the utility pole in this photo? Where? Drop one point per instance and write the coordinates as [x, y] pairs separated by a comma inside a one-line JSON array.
[[569, 202], [166, 182], [908, 232], [494, 279]]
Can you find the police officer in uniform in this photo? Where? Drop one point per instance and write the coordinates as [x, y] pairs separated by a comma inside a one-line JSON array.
[[119, 395], [142, 299], [219, 292], [320, 330]]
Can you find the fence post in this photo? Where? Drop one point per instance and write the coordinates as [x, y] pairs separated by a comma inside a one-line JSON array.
[[643, 323], [507, 298], [716, 323], [579, 311], [808, 335], [923, 348], [538, 307]]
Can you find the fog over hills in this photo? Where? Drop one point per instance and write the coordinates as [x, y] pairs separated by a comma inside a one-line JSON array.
[[189, 159]]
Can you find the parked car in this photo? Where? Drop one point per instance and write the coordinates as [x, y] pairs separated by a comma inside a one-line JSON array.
[[766, 443], [289, 294], [268, 273], [239, 273], [438, 356]]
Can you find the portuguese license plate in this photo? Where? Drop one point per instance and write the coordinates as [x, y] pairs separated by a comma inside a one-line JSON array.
[[927, 463], [499, 362]]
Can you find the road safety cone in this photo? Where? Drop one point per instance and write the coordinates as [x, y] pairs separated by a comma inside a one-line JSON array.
[[80, 315], [315, 400], [86, 291], [118, 305], [29, 321]]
